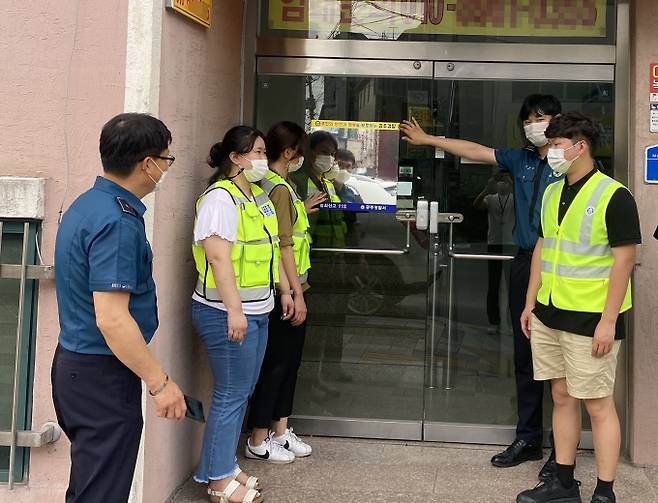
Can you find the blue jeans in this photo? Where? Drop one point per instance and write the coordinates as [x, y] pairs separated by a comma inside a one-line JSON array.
[[235, 368]]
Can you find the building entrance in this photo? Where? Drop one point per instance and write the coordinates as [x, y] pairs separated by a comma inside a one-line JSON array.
[[409, 330]]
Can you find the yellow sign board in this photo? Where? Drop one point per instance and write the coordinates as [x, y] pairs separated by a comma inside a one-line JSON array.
[[199, 11], [389, 19], [374, 126]]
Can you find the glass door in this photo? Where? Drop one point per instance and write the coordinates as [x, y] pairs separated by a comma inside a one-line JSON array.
[[409, 333], [470, 386], [363, 365]]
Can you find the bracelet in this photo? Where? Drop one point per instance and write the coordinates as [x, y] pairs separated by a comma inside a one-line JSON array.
[[159, 389], [285, 292]]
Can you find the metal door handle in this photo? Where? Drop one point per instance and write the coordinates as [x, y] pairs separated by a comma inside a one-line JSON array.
[[372, 251], [434, 217], [477, 256], [363, 251]]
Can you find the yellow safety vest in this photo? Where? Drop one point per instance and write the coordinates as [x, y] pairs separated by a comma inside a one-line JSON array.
[[328, 228], [301, 239], [254, 255], [576, 257]]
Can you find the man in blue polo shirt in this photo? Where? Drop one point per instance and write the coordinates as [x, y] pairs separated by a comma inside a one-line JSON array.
[[531, 174], [108, 314]]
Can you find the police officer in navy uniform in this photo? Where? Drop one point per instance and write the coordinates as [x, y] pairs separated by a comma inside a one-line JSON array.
[[531, 174], [108, 314]]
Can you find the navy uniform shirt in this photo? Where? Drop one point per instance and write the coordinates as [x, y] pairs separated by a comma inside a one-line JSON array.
[[531, 175], [102, 247]]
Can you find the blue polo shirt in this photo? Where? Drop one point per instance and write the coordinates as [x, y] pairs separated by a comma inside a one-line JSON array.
[[102, 247], [531, 175]]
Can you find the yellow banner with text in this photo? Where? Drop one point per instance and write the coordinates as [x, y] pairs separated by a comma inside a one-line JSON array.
[[388, 19]]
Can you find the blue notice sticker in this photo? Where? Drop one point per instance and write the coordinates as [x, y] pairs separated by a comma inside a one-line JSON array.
[[651, 164], [360, 207]]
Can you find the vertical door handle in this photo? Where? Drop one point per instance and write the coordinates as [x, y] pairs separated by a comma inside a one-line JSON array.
[[422, 215], [434, 217]]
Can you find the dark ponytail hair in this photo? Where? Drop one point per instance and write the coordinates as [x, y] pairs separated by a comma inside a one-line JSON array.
[[238, 139], [283, 135]]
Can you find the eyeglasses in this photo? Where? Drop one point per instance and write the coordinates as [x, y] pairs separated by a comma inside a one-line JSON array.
[[170, 159]]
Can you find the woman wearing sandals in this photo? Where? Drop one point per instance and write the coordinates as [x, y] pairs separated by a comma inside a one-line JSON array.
[[236, 252], [271, 439]]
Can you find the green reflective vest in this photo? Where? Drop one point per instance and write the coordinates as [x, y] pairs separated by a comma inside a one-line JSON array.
[[254, 255], [301, 239], [576, 257], [328, 227]]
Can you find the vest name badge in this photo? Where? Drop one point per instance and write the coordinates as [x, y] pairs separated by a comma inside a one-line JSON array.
[[266, 210]]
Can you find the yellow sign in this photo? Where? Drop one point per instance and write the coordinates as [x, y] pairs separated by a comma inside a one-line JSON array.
[[388, 19], [373, 126], [197, 10]]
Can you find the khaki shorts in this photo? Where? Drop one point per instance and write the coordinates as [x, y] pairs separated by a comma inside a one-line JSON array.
[[557, 354]]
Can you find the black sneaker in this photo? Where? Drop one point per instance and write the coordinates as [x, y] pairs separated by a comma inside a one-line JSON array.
[[551, 492], [549, 470], [519, 452], [599, 498]]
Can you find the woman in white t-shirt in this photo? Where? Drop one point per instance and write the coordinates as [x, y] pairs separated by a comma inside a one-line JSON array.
[[236, 253]]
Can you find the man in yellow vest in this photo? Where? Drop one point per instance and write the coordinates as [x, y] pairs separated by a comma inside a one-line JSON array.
[[579, 287]]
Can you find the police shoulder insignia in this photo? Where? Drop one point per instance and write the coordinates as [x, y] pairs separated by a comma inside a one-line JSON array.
[[125, 207]]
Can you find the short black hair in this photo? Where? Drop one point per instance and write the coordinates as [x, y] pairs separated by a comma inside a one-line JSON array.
[[345, 155], [539, 104], [238, 139], [320, 136], [283, 135], [575, 126], [128, 138]]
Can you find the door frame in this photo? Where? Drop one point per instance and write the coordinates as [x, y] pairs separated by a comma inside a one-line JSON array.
[[453, 61]]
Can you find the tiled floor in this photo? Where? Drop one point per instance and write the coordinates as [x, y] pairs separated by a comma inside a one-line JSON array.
[[347, 470]]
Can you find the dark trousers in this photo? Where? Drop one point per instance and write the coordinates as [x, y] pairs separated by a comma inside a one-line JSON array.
[[275, 390], [495, 274], [98, 402], [529, 393]]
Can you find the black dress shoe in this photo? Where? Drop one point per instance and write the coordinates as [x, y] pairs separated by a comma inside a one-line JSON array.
[[519, 452], [549, 470], [599, 498], [551, 492]]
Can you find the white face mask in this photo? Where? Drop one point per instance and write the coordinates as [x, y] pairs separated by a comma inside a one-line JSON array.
[[332, 173], [534, 132], [342, 176], [258, 170], [158, 184], [295, 164], [323, 163], [557, 162]]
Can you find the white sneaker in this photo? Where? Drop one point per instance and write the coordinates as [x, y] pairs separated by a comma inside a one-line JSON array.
[[293, 443], [269, 451]]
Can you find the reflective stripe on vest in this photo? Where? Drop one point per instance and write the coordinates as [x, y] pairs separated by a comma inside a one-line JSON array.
[[254, 254], [301, 239], [576, 257]]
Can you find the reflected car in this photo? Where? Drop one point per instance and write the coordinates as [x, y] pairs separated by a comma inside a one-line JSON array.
[[373, 190]]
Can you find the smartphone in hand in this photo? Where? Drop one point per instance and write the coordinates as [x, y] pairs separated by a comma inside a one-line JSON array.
[[194, 409]]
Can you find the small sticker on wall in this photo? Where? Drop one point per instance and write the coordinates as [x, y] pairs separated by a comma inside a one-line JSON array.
[[653, 117]]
